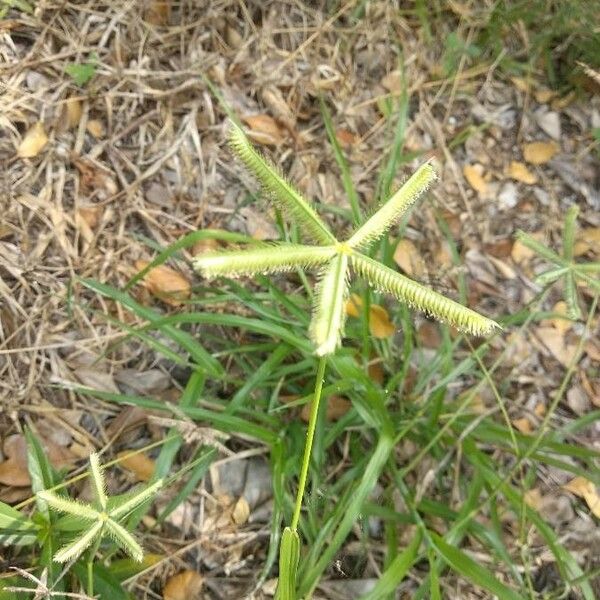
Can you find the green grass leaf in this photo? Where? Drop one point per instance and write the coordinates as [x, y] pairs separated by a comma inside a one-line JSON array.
[[471, 570]]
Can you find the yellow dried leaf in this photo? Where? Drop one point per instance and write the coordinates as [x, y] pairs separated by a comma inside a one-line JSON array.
[[241, 511], [165, 283], [521, 84], [519, 172], [520, 253], [474, 176], [408, 258], [91, 215], [582, 487], [523, 425], [544, 95], [353, 305], [95, 128], [73, 108], [588, 240], [183, 586], [560, 103], [561, 324], [380, 325], [264, 130], [34, 141], [533, 498], [538, 153], [139, 464]]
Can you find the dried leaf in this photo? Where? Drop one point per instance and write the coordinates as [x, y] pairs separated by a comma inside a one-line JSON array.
[[408, 258], [520, 172], [336, 407], [523, 425], [588, 240], [380, 325], [73, 109], [34, 141], [13, 471], [91, 215], [158, 12], [165, 283], [539, 153], [346, 138], [139, 464], [582, 487], [474, 176], [533, 498], [520, 253], [555, 341], [95, 127], [544, 95], [241, 511], [264, 130], [183, 586], [393, 81], [375, 371], [561, 324], [353, 305]]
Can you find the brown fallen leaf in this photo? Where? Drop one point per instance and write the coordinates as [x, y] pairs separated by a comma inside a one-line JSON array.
[[336, 407], [555, 341], [158, 12], [346, 138], [539, 153], [408, 258], [264, 130], [95, 127], [533, 498], [33, 142], [474, 176], [523, 424], [91, 215], [520, 172], [186, 585], [560, 323], [587, 240], [353, 305], [521, 253], [139, 464], [73, 110], [13, 471], [380, 325], [166, 284], [582, 487]]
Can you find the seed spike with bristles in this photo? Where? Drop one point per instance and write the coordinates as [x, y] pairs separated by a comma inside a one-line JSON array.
[[281, 192], [271, 258], [329, 306], [421, 297], [394, 208]]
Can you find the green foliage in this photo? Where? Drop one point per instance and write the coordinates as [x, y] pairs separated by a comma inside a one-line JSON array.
[[82, 73], [564, 266], [454, 49]]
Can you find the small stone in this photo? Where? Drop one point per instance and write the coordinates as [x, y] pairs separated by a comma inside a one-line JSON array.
[[507, 198], [549, 122]]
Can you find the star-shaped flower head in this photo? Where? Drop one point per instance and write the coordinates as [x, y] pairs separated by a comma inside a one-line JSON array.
[[564, 267], [103, 516], [335, 259]]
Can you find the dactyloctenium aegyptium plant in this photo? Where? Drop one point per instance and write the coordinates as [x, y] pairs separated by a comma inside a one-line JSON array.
[[335, 261], [98, 519]]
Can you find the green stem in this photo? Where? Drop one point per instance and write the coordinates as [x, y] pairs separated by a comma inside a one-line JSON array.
[[90, 565], [310, 434]]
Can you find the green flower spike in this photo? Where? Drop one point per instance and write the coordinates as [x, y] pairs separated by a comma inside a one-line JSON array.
[[335, 259], [102, 518]]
